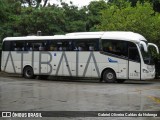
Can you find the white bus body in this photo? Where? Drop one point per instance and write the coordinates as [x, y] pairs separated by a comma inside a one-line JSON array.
[[111, 56]]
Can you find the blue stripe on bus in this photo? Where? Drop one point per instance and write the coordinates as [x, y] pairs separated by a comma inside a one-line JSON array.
[[112, 61]]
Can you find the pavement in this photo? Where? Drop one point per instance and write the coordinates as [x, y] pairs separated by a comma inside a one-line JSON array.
[[59, 94]]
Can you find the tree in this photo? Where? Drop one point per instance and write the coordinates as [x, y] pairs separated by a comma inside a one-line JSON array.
[[94, 13], [138, 19], [10, 10], [75, 18], [34, 3], [155, 3]]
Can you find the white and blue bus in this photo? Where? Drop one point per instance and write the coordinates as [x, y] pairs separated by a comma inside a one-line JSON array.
[[110, 56]]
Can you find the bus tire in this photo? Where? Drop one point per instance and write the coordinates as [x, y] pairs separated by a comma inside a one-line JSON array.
[[28, 72], [109, 76], [120, 81]]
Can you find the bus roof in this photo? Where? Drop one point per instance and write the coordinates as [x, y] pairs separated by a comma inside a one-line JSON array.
[[50, 37], [118, 35], [128, 36]]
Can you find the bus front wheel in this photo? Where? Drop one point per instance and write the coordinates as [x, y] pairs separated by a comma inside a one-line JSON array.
[[109, 76], [28, 72]]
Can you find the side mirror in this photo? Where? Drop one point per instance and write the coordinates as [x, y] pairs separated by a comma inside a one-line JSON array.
[[144, 46], [151, 44]]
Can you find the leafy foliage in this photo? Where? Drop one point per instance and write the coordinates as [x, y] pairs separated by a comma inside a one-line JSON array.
[[94, 13], [25, 17], [140, 19], [155, 3]]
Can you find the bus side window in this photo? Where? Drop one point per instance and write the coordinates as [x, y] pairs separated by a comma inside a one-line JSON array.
[[59, 45], [115, 47], [36, 45], [18, 45], [7, 46], [42, 46], [65, 45], [106, 46], [28, 46], [87, 45], [78, 45], [74, 46], [70, 46], [52, 45]]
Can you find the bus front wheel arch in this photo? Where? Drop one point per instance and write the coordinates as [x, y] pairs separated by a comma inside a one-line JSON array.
[[28, 72], [109, 76]]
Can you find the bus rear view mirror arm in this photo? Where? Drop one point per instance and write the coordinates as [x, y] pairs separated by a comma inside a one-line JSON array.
[[144, 46], [151, 44]]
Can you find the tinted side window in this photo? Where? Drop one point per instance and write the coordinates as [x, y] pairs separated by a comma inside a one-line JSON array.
[[60, 45], [6, 46], [18, 46], [14, 46], [52, 45], [86, 45], [36, 45], [25, 45], [116, 47]]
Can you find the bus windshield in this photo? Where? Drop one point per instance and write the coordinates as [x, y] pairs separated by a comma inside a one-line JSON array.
[[147, 57]]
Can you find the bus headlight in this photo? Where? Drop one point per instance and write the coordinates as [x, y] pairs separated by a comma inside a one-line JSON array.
[[145, 71]]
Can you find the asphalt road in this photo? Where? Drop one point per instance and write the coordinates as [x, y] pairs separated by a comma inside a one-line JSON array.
[[19, 94]]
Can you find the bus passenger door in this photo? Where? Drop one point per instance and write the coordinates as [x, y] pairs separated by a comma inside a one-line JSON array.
[[134, 64]]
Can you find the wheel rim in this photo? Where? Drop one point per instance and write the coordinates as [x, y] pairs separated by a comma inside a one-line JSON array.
[[110, 76], [28, 73]]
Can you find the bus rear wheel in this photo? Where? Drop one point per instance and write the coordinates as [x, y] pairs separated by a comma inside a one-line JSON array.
[[109, 76], [28, 72]]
